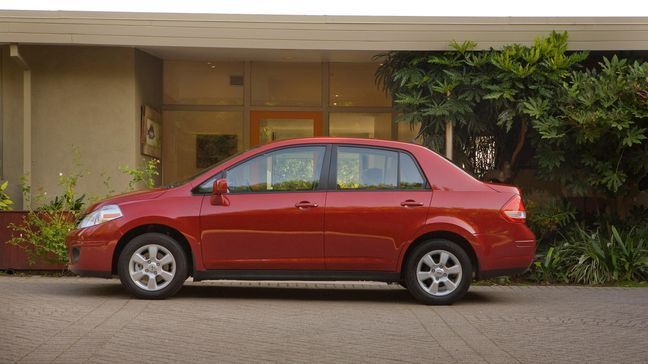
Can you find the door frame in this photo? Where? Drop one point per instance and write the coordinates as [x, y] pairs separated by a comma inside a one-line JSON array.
[[256, 116]]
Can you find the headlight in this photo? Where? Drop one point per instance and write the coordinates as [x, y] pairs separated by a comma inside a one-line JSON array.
[[96, 217]]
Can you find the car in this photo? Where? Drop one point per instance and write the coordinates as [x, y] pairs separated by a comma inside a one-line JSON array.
[[323, 208]]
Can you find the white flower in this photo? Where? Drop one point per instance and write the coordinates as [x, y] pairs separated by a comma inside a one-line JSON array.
[[60, 174]]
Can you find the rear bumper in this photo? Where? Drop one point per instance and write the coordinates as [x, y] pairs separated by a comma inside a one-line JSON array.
[[504, 257]]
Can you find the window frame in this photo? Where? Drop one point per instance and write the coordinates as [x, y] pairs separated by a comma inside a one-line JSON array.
[[321, 184], [332, 173]]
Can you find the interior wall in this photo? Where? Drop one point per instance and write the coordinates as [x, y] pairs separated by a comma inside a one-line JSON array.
[[82, 97]]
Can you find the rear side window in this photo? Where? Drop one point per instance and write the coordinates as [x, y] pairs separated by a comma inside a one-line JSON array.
[[360, 168], [410, 175]]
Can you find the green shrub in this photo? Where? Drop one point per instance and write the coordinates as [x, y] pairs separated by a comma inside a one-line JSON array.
[[5, 200], [549, 267], [145, 174], [547, 215], [606, 255], [42, 232]]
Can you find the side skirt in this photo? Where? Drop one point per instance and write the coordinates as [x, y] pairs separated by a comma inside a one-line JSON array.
[[296, 275]]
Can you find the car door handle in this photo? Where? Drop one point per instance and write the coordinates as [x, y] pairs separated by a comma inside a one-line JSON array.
[[305, 204], [411, 203]]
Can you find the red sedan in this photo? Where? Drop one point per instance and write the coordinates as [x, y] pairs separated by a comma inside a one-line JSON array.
[[312, 209]]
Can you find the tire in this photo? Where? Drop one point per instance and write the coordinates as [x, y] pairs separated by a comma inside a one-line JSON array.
[[445, 284], [169, 267]]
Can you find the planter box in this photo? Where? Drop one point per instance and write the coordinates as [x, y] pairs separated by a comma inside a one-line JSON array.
[[12, 257]]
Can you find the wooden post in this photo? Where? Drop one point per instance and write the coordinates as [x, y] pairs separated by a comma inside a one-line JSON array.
[[448, 140]]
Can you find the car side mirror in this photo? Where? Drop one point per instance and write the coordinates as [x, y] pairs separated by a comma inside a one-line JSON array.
[[218, 192]]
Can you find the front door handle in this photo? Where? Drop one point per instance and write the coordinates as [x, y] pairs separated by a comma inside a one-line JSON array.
[[411, 203], [305, 204]]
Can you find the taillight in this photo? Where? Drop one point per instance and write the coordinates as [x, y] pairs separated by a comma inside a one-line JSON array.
[[514, 210]]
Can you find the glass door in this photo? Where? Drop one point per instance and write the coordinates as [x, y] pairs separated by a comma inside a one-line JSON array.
[[269, 126]]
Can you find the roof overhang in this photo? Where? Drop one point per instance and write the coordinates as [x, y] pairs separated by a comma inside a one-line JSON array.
[[365, 34]]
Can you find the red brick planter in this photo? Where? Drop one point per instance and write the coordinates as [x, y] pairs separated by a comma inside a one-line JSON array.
[[12, 257]]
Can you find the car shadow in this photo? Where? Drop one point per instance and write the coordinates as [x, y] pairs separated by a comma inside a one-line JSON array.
[[245, 291]]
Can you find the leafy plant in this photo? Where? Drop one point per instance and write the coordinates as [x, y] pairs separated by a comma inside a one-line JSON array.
[[593, 132], [549, 267], [597, 257], [145, 175], [547, 215], [41, 234], [489, 96], [5, 200]]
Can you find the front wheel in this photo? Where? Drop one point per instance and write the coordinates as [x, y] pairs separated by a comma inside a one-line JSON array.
[[152, 266], [438, 272]]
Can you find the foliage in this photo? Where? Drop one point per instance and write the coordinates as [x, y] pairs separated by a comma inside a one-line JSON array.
[[484, 94], [5, 200], [596, 256], [548, 266], [42, 232], [593, 132], [547, 214], [608, 256], [142, 175]]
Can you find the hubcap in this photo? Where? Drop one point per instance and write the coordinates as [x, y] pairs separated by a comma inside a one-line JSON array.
[[439, 272], [152, 267]]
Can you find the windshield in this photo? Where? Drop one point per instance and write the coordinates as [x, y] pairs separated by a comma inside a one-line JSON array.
[[202, 171]]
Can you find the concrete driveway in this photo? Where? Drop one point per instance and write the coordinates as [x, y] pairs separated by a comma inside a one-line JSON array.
[[92, 320]]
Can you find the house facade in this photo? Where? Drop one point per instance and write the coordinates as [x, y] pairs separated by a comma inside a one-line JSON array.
[[107, 90]]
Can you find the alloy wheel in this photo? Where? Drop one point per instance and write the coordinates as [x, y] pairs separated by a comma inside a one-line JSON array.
[[152, 267], [439, 272]]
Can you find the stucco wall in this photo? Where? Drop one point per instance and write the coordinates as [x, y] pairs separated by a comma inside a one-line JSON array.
[[83, 97], [148, 91], [12, 116]]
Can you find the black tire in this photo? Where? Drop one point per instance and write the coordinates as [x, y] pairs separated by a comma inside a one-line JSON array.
[[166, 242], [415, 287]]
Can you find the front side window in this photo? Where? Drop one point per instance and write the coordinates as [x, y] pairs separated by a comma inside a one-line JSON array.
[[360, 168], [290, 169]]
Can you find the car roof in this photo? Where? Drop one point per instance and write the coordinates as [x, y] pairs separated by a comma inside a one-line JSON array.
[[343, 140]]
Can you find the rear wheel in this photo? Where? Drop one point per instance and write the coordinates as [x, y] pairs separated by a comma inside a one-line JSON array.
[[152, 266], [438, 272]]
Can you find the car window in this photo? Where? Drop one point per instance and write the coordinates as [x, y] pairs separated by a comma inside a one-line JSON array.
[[366, 169], [410, 175], [289, 169]]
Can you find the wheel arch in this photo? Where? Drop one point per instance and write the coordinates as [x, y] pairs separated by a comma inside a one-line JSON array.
[[442, 234], [153, 228]]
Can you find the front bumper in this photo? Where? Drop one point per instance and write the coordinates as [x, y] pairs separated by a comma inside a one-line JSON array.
[[90, 250]]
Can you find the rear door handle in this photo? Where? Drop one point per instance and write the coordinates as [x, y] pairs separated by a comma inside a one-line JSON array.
[[305, 204], [411, 203]]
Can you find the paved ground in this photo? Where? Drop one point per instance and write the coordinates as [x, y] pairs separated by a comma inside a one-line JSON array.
[[92, 320]]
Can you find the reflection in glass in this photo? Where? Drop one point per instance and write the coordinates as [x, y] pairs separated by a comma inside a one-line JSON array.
[[286, 84], [203, 83], [279, 129], [365, 168], [293, 169], [353, 84], [193, 140], [360, 125]]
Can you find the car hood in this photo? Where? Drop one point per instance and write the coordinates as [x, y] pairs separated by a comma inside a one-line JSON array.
[[129, 197]]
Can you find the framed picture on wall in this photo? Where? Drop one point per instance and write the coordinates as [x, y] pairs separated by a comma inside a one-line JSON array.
[[151, 135]]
